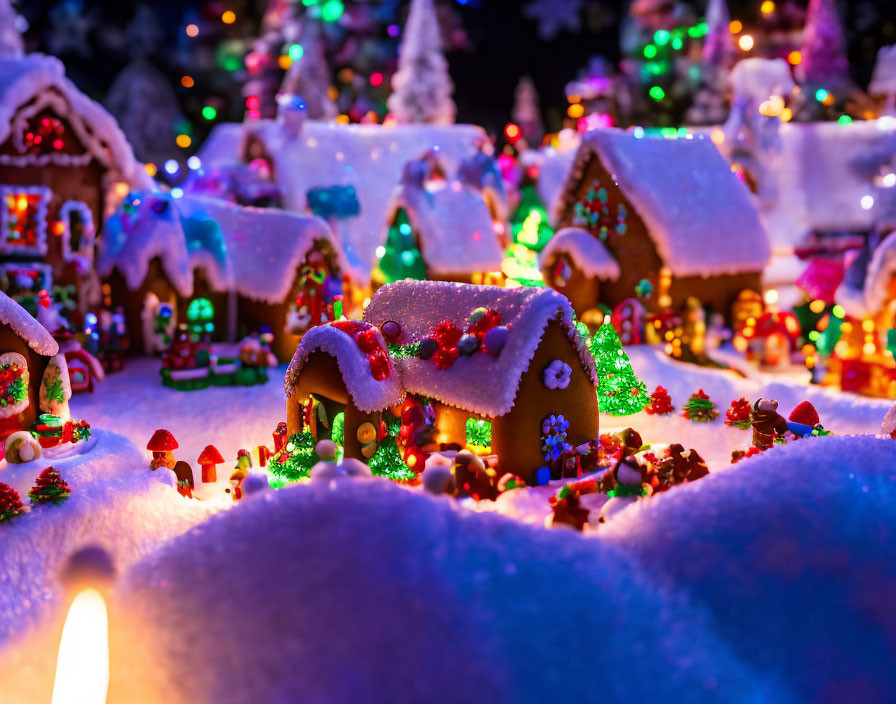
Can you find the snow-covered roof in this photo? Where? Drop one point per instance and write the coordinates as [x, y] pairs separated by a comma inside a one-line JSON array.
[[699, 215], [25, 78], [25, 326], [479, 383], [586, 250], [819, 185], [369, 157], [256, 251], [454, 227], [367, 393]]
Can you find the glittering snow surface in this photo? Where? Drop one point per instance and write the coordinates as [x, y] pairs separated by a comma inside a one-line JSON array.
[[769, 581]]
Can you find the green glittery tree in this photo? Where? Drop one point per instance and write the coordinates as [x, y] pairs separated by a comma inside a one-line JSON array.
[[401, 258], [295, 460], [619, 391]]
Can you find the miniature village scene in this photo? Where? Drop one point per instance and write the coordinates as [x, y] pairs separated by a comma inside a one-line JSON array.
[[438, 350]]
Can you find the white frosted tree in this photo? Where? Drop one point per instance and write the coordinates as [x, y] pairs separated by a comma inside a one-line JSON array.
[[142, 101], [824, 50], [141, 98], [526, 112], [718, 47], [883, 80], [422, 87], [10, 26], [308, 77], [710, 106]]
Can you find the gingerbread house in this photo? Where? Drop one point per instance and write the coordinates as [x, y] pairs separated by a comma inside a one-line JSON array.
[[667, 211], [508, 359], [64, 164], [367, 158], [224, 270], [448, 221], [26, 352]]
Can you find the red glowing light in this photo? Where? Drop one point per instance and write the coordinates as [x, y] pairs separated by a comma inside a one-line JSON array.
[[376, 79]]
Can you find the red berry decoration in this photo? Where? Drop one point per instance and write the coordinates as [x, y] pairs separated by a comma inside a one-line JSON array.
[[660, 403], [447, 334], [10, 503], [445, 357]]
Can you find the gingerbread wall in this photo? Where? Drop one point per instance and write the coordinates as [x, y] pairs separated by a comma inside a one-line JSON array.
[[639, 259], [82, 183], [320, 376], [132, 301], [516, 436]]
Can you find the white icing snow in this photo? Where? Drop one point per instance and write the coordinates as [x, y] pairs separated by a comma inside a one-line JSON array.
[[700, 216], [479, 383], [454, 227], [22, 79], [26, 327], [586, 251], [369, 157], [367, 393], [256, 251]]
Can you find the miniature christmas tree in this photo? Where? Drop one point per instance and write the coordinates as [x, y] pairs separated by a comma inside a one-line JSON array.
[[10, 503], [525, 111], [620, 392], [49, 488], [718, 46], [401, 256], [422, 87], [295, 460], [660, 403], [700, 408], [387, 462], [529, 222], [738, 415], [824, 60], [309, 77]]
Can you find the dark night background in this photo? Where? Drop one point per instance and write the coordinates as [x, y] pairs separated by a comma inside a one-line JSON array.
[[504, 45]]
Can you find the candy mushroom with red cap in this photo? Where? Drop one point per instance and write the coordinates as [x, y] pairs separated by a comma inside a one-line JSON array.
[[162, 445], [208, 460]]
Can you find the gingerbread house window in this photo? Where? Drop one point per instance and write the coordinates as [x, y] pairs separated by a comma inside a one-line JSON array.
[[23, 219], [76, 222], [24, 282]]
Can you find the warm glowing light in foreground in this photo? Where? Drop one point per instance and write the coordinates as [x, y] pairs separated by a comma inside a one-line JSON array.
[[82, 670]]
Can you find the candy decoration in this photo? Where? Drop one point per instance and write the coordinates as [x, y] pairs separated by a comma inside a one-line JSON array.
[[49, 488], [468, 344], [391, 330], [366, 337], [542, 476], [10, 503], [660, 403], [557, 375], [495, 339], [738, 415], [427, 348], [700, 408]]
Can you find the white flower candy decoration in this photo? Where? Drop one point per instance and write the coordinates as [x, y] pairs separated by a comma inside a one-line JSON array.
[[557, 374]]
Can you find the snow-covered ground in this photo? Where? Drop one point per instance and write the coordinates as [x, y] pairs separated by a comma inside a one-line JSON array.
[[770, 581]]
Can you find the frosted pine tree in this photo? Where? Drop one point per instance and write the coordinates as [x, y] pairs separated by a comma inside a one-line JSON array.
[[141, 98], [422, 87], [526, 112], [10, 26], [710, 106], [824, 61], [718, 47], [309, 76]]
